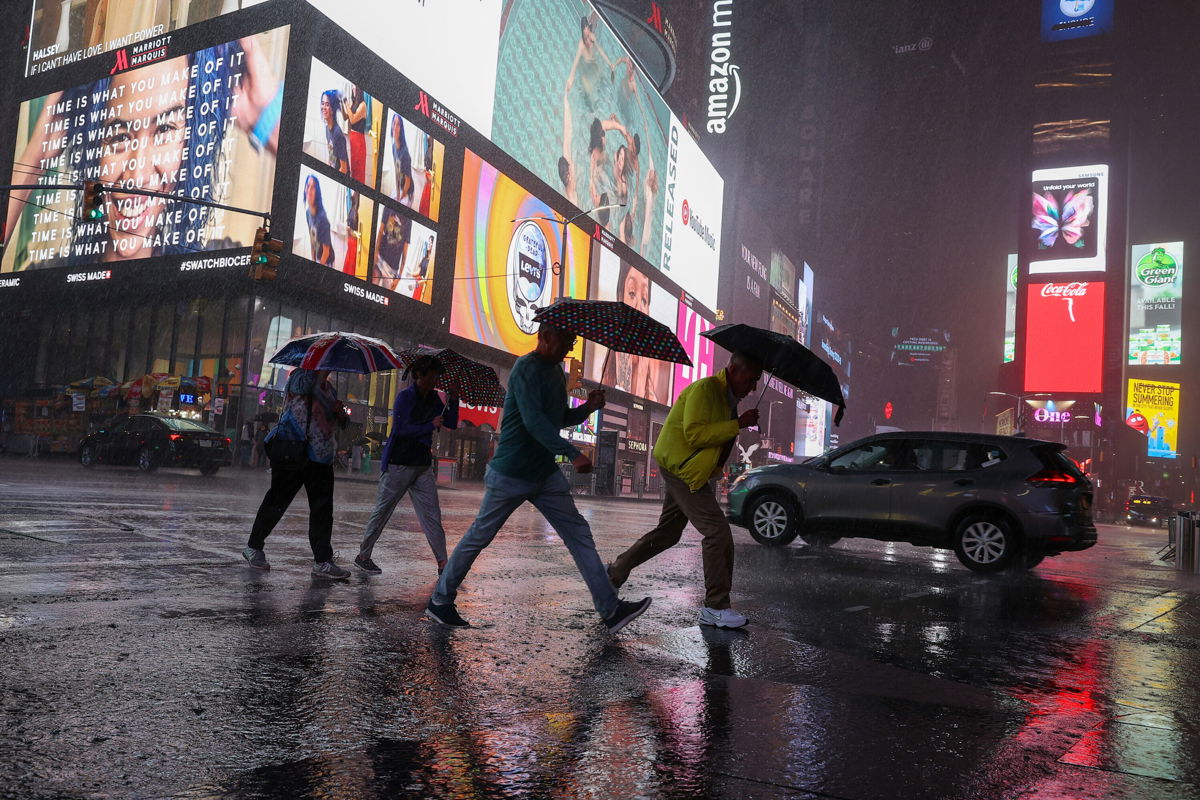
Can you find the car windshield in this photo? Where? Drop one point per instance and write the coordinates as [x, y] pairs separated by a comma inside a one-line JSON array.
[[176, 424]]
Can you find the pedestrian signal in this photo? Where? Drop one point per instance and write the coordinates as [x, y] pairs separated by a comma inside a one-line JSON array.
[[264, 256], [93, 200]]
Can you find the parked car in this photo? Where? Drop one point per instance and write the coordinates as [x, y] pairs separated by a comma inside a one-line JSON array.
[[997, 501], [149, 441], [1144, 509]]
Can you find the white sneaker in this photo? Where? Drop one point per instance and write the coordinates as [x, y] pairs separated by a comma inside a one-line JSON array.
[[721, 618]]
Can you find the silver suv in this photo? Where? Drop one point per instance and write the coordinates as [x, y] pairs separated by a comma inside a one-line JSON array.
[[997, 501]]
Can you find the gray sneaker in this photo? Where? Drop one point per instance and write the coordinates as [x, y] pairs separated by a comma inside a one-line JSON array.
[[255, 558], [330, 570]]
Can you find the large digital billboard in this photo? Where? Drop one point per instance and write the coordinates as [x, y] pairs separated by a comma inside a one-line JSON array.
[[342, 124], [691, 240], [446, 49], [508, 243], [1068, 226], [1010, 309], [641, 376], [333, 224], [1152, 409], [186, 125], [404, 252], [1064, 337], [1156, 304], [573, 107], [750, 302], [67, 31], [701, 350], [1075, 19], [412, 167]]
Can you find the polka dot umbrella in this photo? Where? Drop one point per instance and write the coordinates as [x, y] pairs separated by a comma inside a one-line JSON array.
[[616, 326], [468, 380]]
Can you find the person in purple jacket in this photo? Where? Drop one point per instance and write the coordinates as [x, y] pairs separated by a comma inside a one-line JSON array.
[[408, 462]]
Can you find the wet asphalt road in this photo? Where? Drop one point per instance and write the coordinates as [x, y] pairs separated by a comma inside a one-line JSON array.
[[141, 658]]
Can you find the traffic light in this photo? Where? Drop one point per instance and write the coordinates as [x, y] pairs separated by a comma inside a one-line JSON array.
[[93, 200], [264, 256]]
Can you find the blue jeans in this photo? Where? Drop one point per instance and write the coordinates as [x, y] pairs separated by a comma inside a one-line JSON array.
[[552, 496]]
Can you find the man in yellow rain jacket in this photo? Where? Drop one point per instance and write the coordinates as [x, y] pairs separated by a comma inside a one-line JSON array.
[[691, 452]]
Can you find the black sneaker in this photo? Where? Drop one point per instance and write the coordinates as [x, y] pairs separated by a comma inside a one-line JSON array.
[[367, 565], [627, 611], [445, 615]]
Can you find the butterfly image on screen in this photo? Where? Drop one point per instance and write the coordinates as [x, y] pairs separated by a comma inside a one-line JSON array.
[[1062, 217]]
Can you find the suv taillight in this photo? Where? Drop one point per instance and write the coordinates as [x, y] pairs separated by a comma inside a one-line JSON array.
[[175, 437], [1052, 477]]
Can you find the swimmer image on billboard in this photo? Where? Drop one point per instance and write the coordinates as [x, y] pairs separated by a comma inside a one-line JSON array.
[[508, 245], [573, 107]]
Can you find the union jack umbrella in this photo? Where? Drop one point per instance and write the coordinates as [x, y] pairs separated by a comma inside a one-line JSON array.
[[338, 352], [616, 326], [470, 381]]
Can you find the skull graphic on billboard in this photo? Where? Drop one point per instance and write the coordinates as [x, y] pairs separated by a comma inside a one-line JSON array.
[[528, 274]]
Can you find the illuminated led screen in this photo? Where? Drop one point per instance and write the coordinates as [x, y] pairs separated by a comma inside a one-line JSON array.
[[181, 125], [413, 162], [572, 107], [504, 269], [1156, 304], [1068, 226], [434, 44], [1152, 409], [333, 224], [702, 351], [1010, 309], [62, 33], [404, 256], [614, 279], [1064, 337], [342, 124]]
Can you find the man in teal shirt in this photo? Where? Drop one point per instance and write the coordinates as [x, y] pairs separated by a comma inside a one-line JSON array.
[[523, 469]]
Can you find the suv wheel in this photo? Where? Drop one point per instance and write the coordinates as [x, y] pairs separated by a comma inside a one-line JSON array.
[[985, 542], [87, 455], [773, 519], [210, 469], [146, 461]]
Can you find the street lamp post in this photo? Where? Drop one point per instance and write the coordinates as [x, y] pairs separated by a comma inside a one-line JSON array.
[[562, 250], [1019, 409]]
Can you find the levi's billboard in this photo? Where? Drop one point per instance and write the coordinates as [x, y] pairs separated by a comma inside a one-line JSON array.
[[1064, 337]]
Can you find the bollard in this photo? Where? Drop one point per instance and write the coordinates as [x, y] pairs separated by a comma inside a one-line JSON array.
[[1185, 543]]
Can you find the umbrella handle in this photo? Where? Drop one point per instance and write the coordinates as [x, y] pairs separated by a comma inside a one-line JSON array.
[[758, 402]]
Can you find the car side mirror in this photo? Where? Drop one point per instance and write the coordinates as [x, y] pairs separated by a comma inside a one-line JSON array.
[[839, 468]]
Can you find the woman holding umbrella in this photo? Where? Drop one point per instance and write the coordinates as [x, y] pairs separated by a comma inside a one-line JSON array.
[[407, 461], [311, 410]]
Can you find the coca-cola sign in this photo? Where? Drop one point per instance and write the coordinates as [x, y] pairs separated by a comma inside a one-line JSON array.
[[1064, 337], [1073, 289]]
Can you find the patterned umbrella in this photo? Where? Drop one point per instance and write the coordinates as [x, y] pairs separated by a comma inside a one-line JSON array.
[[468, 380], [91, 384], [616, 326], [785, 358], [338, 352]]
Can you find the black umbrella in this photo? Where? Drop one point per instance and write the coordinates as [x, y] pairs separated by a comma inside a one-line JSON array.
[[785, 358], [266, 416], [616, 326], [376, 436], [469, 380]]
